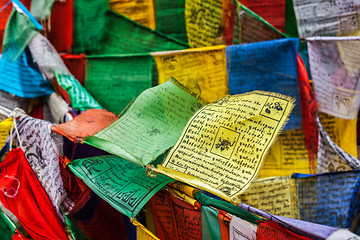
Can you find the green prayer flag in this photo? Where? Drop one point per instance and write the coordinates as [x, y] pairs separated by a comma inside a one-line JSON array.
[[41, 9], [237, 27], [80, 98], [227, 207], [290, 19], [89, 24], [151, 125], [116, 80], [210, 223], [97, 30], [18, 33], [126, 36], [124, 185], [7, 227], [170, 18], [75, 231]]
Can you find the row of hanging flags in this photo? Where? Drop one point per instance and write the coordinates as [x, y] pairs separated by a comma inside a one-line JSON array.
[[179, 120]]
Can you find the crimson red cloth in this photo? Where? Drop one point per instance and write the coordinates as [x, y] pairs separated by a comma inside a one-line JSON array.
[[76, 65], [60, 33], [229, 21], [19, 236], [269, 230], [175, 218], [309, 108], [22, 194], [272, 11], [99, 220], [38, 111], [76, 189]]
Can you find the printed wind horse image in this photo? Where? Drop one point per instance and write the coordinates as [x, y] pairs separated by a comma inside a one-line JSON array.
[[224, 144], [225, 141]]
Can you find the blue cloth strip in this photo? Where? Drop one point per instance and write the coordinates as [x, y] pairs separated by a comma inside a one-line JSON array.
[[28, 14], [267, 66], [21, 78]]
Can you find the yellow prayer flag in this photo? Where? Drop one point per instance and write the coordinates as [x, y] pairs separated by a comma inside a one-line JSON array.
[[142, 233], [341, 131], [184, 197], [287, 155], [149, 218], [223, 145], [275, 195], [139, 11], [5, 127], [183, 188], [205, 21], [202, 70]]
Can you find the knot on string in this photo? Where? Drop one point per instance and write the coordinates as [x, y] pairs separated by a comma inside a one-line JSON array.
[[64, 161], [150, 172]]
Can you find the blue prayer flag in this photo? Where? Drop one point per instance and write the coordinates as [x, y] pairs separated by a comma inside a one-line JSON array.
[[267, 66], [21, 77]]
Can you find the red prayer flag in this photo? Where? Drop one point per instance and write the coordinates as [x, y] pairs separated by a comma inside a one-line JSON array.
[[105, 222], [61, 30], [309, 108], [22, 194], [224, 223], [273, 11], [269, 230], [175, 218], [76, 189], [76, 65], [229, 21], [19, 236], [86, 124]]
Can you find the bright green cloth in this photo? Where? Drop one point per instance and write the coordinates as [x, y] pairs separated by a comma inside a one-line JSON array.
[[117, 80], [152, 124], [80, 98], [18, 33], [210, 223], [123, 35], [124, 185], [170, 18], [226, 206]]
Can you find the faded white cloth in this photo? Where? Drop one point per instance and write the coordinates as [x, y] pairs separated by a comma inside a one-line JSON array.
[[335, 73], [39, 146], [343, 234], [241, 230], [46, 57], [332, 158]]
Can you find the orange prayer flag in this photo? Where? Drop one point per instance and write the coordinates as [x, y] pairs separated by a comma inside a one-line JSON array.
[[86, 124]]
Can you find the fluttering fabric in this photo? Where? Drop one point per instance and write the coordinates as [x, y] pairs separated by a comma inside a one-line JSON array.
[[42, 154], [175, 218], [22, 194], [86, 124], [309, 108], [267, 66], [18, 33], [21, 77]]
